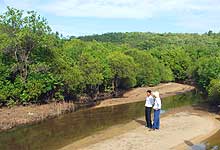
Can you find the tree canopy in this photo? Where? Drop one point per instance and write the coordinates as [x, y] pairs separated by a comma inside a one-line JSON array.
[[38, 66]]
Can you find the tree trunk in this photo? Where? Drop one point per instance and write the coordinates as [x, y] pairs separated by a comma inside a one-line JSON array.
[[115, 86], [24, 65]]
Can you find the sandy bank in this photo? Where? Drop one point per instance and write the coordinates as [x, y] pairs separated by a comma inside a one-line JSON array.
[[139, 94], [15, 116], [178, 128]]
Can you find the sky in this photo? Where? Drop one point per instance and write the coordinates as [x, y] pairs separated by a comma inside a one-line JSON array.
[[86, 17]]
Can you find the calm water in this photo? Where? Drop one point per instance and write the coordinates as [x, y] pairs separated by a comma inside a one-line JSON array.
[[214, 141], [58, 132]]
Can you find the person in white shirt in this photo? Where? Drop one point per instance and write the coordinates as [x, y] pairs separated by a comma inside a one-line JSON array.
[[148, 107], [156, 107]]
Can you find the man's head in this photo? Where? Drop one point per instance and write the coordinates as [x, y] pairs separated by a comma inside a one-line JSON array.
[[148, 92]]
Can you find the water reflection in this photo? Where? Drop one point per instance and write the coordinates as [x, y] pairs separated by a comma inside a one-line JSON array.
[[214, 141], [198, 147], [162, 111], [58, 132], [204, 146]]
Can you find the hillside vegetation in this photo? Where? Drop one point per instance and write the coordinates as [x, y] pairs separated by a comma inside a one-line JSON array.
[[37, 66]]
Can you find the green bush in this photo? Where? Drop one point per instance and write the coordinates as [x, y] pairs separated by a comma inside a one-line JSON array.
[[34, 91], [214, 90], [166, 73], [175, 59], [123, 68], [206, 69], [148, 68]]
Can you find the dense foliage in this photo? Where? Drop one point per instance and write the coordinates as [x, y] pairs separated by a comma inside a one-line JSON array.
[[214, 90], [184, 57], [38, 66]]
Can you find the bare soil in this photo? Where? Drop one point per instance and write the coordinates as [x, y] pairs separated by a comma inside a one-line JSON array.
[[20, 115]]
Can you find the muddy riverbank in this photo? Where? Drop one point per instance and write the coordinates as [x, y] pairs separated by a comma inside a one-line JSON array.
[[21, 115]]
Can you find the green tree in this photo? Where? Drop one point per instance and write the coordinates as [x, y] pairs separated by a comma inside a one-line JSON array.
[[23, 34], [206, 70], [68, 72], [166, 73], [92, 73], [148, 68], [214, 90], [175, 59], [26, 51], [123, 68]]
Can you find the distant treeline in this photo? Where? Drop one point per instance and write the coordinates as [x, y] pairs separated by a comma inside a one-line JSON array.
[[38, 66]]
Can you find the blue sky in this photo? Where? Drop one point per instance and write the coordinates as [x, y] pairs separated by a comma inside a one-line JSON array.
[[85, 17]]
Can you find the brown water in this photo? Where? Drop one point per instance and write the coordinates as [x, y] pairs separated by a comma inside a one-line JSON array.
[[212, 143], [58, 132], [215, 139]]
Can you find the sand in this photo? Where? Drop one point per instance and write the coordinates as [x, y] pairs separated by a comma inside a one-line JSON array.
[[139, 94], [19, 115], [179, 130]]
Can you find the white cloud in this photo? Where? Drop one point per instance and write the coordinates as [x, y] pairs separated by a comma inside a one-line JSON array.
[[126, 8], [23, 4], [100, 8], [116, 8], [185, 13]]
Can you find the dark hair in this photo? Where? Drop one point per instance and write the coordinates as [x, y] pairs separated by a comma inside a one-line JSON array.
[[149, 91]]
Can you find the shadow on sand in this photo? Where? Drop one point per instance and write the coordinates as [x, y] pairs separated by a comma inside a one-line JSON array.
[[189, 143], [141, 122]]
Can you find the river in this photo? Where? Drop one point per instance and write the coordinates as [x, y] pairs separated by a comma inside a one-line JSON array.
[[58, 132]]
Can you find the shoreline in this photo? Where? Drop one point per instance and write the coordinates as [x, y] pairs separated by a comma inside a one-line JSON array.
[[24, 115], [139, 94], [134, 135]]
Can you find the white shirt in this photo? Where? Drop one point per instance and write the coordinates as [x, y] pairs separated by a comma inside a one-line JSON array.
[[157, 103], [149, 101]]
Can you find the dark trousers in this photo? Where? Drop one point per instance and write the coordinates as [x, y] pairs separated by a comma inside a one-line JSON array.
[[148, 116], [156, 124]]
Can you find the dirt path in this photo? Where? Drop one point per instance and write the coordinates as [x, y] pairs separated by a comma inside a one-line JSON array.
[[139, 94], [177, 130]]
